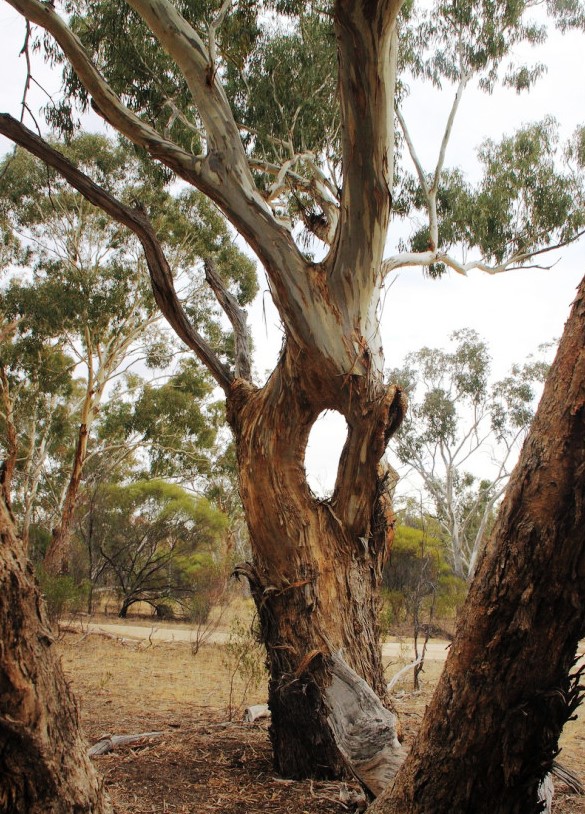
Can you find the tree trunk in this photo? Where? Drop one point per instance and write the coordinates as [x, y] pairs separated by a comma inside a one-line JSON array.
[[44, 767], [11, 442], [491, 731], [58, 554], [317, 563]]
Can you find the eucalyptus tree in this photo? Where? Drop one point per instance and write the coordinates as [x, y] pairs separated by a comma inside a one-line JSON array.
[[172, 424], [38, 397], [460, 420], [88, 287], [153, 536], [282, 114]]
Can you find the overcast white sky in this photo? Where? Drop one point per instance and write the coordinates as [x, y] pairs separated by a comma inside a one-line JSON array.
[[514, 312]]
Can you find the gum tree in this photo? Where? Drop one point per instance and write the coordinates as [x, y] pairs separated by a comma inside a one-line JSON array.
[[282, 119], [80, 283], [455, 414]]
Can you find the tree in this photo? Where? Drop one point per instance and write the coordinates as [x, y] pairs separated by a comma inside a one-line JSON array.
[[154, 536], [44, 766], [198, 91], [509, 667], [455, 413], [88, 289], [38, 395]]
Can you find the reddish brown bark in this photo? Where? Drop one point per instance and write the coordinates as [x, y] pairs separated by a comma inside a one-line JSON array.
[[315, 575], [492, 729], [44, 767]]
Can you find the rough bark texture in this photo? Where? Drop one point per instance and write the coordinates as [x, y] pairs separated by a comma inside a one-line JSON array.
[[44, 767], [317, 563], [491, 731]]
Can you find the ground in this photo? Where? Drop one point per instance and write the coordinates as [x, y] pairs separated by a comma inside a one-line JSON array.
[[207, 759]]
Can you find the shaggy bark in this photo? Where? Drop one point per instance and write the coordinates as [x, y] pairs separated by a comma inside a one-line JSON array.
[[317, 563], [491, 732], [44, 767]]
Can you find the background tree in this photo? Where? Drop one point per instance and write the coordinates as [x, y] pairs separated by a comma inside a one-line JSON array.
[[456, 418], [154, 538], [171, 79], [38, 396], [88, 288], [418, 556]]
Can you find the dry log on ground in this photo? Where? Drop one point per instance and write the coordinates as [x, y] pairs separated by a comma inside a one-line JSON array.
[[105, 745]]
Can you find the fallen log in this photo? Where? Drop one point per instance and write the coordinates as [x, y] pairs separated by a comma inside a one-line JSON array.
[[256, 712], [105, 745]]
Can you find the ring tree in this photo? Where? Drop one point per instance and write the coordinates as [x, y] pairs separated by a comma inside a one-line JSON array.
[[283, 115]]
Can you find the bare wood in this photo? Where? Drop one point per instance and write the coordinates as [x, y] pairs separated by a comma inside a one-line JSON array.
[[105, 745], [256, 712], [364, 730], [569, 778]]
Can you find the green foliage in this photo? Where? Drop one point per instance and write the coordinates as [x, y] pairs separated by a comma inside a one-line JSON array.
[[289, 92], [174, 423], [158, 542], [455, 413], [278, 64], [524, 199], [61, 594], [418, 574]]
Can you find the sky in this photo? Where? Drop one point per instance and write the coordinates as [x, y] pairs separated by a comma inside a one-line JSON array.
[[514, 312]]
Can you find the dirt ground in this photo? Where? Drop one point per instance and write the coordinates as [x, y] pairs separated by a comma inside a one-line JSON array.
[[207, 759]]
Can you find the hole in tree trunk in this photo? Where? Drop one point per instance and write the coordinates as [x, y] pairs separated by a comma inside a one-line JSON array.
[[324, 447]]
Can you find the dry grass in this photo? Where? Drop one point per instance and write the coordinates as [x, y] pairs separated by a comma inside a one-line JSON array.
[[203, 762]]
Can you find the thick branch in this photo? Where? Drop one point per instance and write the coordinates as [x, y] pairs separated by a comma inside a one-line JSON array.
[[224, 174], [138, 222], [195, 60], [108, 104], [367, 75]]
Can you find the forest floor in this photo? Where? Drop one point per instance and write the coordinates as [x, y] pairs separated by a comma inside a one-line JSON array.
[[207, 759]]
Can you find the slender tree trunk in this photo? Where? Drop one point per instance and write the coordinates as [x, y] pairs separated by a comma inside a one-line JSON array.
[[491, 731], [58, 554], [315, 576], [9, 463], [44, 768]]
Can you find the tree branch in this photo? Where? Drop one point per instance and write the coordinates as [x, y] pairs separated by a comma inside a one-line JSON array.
[[366, 38], [137, 221], [413, 154], [108, 105], [448, 128], [238, 318]]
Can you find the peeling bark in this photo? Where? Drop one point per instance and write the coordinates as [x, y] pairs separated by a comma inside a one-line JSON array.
[[317, 564]]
